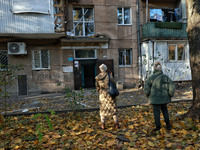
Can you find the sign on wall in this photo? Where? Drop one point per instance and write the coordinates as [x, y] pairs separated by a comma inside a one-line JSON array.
[[68, 69]]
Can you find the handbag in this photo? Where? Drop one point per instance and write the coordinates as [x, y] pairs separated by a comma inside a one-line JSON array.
[[112, 90]]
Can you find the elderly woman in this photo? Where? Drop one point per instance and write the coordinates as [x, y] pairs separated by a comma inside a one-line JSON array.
[[107, 103], [159, 88]]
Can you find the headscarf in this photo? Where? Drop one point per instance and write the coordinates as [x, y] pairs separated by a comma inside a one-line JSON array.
[[103, 68]]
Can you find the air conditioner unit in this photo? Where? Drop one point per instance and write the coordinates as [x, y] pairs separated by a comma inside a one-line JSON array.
[[16, 48]]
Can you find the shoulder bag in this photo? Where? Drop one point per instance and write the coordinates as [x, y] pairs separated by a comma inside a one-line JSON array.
[[112, 90]]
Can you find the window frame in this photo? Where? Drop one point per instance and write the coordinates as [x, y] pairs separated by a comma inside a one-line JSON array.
[[95, 53], [33, 60], [84, 22], [176, 52], [124, 50], [1, 69], [123, 16]]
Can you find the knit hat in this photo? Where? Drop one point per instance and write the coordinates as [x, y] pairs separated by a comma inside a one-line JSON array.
[[103, 68]]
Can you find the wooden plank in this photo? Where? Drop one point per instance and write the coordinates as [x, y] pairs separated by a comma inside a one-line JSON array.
[[58, 14], [57, 5]]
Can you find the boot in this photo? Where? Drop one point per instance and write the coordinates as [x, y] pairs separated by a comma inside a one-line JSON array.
[[117, 125], [103, 126]]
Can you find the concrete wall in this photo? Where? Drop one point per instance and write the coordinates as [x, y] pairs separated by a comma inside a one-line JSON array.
[[153, 51], [121, 36], [25, 22], [40, 81]]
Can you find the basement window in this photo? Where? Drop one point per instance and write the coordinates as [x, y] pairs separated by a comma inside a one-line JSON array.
[[31, 6], [83, 21], [125, 57], [41, 59], [3, 59], [124, 16], [176, 52]]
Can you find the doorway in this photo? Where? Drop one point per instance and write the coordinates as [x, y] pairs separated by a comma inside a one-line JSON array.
[[22, 85], [85, 72], [88, 75]]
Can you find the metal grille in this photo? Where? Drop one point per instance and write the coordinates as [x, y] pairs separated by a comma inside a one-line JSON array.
[[44, 57], [41, 59], [3, 59]]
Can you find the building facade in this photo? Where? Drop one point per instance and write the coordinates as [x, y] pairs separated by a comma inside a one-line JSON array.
[[61, 43], [164, 38]]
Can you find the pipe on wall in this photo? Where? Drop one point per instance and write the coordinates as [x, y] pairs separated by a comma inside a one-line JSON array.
[[138, 41]]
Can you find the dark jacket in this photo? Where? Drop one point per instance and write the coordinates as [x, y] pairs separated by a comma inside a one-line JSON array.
[[159, 88]]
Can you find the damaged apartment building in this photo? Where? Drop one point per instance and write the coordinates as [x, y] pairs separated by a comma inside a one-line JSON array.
[[62, 42]]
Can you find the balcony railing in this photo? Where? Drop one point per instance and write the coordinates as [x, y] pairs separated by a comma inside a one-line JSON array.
[[164, 30]]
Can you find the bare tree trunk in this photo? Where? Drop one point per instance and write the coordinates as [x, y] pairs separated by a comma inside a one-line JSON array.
[[193, 30]]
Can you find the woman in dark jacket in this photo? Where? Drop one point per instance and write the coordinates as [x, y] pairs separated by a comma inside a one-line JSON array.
[[159, 88], [107, 103]]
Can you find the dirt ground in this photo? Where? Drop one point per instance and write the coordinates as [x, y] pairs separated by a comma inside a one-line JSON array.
[[58, 101]]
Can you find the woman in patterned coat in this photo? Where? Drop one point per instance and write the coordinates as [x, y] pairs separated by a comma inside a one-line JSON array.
[[107, 103]]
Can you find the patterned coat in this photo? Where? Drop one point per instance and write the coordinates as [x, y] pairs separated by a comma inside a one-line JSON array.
[[107, 103]]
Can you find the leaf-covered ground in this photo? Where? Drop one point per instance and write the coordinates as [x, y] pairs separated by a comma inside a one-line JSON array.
[[82, 131], [58, 101]]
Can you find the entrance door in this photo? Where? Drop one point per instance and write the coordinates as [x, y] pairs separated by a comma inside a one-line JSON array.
[[77, 75], [86, 70], [88, 77], [22, 85], [84, 74]]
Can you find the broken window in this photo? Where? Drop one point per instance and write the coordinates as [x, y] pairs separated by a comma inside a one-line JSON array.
[[83, 19], [176, 52], [59, 15], [124, 16], [165, 15], [41, 59], [85, 54], [3, 59], [125, 57], [31, 6]]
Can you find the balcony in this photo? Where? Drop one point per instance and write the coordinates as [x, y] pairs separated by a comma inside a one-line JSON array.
[[164, 30]]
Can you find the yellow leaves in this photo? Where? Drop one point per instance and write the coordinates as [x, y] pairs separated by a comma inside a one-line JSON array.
[[131, 127], [127, 134], [189, 148], [19, 140], [17, 147], [150, 144], [56, 136], [169, 145], [183, 131], [111, 142], [89, 130], [1, 118], [84, 132], [76, 127]]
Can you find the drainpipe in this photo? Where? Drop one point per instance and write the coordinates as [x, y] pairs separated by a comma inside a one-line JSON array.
[[147, 10], [66, 15], [138, 41]]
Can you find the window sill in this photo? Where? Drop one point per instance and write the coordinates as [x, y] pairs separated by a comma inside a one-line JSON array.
[[126, 66], [124, 24], [176, 61], [39, 69]]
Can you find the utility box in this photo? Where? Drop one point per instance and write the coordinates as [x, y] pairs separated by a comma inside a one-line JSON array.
[[119, 85]]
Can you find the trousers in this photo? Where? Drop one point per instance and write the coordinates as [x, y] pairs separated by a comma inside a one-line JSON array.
[[156, 112]]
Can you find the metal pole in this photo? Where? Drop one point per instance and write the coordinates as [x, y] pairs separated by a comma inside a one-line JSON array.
[[147, 10], [138, 41]]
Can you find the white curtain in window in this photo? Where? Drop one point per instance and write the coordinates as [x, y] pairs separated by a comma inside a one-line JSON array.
[[31, 6]]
